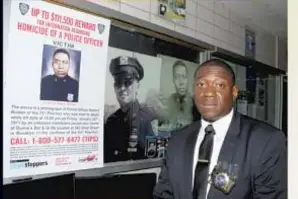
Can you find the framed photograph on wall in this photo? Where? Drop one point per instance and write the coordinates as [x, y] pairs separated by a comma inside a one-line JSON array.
[[174, 10], [250, 43]]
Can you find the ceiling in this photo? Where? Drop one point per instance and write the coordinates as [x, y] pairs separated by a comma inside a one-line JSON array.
[[270, 15]]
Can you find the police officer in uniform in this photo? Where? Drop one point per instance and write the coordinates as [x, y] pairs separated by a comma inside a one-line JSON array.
[[126, 129], [180, 103], [59, 86], [177, 109]]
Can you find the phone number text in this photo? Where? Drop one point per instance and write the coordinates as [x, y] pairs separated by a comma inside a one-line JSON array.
[[53, 140]]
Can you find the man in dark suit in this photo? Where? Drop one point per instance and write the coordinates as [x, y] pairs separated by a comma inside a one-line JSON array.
[[126, 130], [59, 86], [224, 155]]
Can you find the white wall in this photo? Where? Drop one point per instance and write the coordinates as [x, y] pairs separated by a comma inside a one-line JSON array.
[[207, 21], [266, 48]]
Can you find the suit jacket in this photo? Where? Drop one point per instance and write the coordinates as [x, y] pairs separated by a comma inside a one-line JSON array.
[[259, 150]]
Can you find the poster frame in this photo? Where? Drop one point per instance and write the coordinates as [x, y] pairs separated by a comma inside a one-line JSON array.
[[107, 169], [27, 176]]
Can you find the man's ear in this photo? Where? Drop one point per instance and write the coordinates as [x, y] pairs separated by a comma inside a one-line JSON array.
[[235, 92]]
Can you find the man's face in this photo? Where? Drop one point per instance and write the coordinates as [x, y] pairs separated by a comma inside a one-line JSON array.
[[126, 87], [214, 92], [180, 80], [61, 64]]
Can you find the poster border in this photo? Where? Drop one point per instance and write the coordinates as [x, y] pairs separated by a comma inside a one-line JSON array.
[[108, 168], [10, 174]]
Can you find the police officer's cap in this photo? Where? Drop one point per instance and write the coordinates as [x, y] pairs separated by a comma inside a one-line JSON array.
[[126, 64]]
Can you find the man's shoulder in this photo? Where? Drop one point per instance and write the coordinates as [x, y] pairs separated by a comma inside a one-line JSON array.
[[147, 112], [261, 130], [173, 96], [189, 96], [258, 124], [48, 78], [115, 115], [72, 81], [183, 133]]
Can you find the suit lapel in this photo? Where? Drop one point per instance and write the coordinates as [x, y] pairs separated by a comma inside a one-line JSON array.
[[188, 158], [228, 149]]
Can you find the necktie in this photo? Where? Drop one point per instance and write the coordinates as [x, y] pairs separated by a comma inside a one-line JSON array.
[[202, 169]]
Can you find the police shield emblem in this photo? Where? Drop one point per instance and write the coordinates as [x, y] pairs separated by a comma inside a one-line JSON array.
[[70, 97], [123, 60], [24, 8], [101, 28]]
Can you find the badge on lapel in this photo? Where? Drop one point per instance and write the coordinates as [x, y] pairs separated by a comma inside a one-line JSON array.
[[70, 97], [223, 176]]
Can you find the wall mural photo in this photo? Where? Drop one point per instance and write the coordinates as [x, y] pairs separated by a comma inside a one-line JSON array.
[[176, 93], [146, 99], [129, 120]]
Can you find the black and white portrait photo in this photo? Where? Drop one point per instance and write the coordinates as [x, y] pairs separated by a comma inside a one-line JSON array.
[[128, 117], [176, 95], [151, 148], [60, 74]]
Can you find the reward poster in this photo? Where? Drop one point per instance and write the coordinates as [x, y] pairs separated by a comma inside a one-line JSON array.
[[54, 92]]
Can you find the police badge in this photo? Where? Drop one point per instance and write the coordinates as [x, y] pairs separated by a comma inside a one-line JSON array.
[[24, 8], [133, 141], [70, 97], [223, 177], [101, 28], [123, 60], [223, 182]]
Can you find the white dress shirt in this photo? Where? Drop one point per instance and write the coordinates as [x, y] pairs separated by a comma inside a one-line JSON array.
[[221, 127]]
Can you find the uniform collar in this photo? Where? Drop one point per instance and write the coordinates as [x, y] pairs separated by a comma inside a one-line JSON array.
[[184, 98], [58, 79]]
